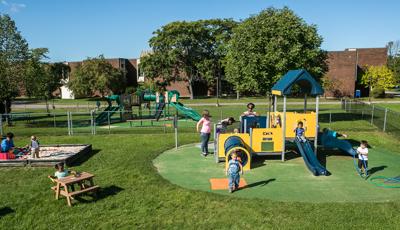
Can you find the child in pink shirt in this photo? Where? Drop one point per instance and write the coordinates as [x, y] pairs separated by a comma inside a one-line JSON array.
[[205, 131]]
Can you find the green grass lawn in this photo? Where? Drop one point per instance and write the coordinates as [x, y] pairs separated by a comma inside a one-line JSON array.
[[134, 195]]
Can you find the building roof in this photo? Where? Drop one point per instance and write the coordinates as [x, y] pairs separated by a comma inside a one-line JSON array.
[[297, 77]]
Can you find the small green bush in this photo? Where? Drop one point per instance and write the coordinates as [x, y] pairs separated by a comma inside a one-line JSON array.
[[378, 93]]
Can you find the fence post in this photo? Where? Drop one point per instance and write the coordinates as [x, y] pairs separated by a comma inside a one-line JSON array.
[[54, 120], [72, 124], [384, 121], [330, 118], [68, 124], [176, 131], [109, 122], [1, 124], [372, 115]]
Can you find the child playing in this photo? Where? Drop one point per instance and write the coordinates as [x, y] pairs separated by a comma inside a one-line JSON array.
[[299, 130], [61, 172], [223, 125], [7, 144], [232, 171], [205, 131], [34, 147], [250, 112], [362, 152]]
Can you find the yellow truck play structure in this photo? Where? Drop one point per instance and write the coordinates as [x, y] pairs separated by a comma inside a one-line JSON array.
[[267, 135]]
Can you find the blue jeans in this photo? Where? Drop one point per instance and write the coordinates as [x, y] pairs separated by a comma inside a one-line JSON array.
[[205, 137], [234, 179]]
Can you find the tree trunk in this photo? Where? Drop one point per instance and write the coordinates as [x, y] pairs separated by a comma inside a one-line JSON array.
[[237, 95], [191, 88]]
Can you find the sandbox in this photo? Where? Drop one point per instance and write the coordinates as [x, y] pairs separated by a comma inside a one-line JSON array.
[[51, 155]]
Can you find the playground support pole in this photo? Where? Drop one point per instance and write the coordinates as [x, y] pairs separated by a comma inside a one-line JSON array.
[[269, 111], [215, 143], [384, 121], [305, 103], [283, 127], [275, 103], [316, 122]]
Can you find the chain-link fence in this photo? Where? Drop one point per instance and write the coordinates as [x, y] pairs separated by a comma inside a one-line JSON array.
[[383, 118], [334, 114]]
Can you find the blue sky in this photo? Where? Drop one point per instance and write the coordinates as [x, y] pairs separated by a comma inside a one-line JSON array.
[[76, 29]]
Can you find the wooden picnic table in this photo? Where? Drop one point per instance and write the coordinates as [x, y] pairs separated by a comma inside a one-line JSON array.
[[66, 186]]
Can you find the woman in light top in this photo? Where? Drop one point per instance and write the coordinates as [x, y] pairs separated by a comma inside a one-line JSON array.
[[250, 112], [205, 131]]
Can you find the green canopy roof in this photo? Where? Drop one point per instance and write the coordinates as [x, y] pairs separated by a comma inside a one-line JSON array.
[[298, 77]]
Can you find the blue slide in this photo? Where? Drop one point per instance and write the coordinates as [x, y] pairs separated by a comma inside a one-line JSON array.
[[310, 159]]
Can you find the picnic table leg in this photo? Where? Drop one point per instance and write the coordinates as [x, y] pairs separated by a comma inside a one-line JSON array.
[[67, 195], [91, 183], [57, 191]]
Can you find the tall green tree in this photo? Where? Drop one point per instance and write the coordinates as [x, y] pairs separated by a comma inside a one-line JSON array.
[[393, 61], [267, 45], [187, 51], [96, 75], [13, 55], [43, 79]]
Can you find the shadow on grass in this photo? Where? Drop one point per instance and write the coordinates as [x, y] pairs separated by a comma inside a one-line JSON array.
[[373, 170], [5, 211], [102, 193], [84, 158], [259, 183]]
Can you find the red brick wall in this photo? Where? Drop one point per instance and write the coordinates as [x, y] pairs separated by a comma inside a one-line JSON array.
[[342, 65], [342, 68]]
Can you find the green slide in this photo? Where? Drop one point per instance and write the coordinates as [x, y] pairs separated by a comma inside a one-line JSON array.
[[103, 116], [186, 111]]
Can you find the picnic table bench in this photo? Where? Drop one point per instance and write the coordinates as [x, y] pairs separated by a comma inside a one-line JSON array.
[[66, 186]]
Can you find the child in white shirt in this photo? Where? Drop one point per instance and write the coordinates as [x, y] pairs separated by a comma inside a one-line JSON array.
[[34, 147], [362, 152]]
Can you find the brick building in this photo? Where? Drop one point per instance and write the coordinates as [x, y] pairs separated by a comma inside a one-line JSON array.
[[346, 68], [128, 67]]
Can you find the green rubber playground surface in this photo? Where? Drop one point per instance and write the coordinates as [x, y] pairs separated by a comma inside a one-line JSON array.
[[286, 181]]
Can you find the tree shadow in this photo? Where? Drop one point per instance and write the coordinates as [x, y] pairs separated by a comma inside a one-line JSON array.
[[102, 193], [5, 211], [258, 183], [83, 158], [373, 170]]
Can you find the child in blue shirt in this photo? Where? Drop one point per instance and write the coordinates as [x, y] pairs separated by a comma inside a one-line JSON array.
[[8, 143], [232, 171], [299, 130], [61, 172]]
